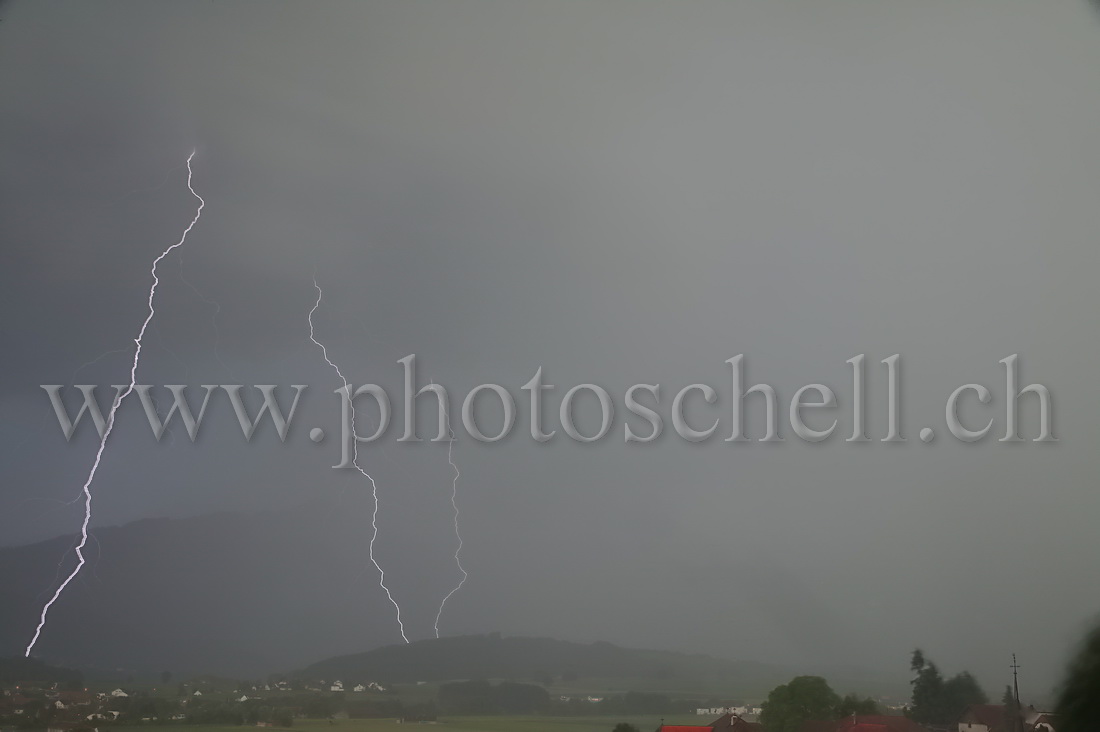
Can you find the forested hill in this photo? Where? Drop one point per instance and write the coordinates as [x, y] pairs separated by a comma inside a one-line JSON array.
[[520, 658]]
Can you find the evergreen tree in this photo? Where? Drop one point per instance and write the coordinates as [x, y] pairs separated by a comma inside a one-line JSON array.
[[936, 701], [1078, 705]]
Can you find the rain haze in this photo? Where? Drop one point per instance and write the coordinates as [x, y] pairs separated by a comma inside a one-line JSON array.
[[614, 192]]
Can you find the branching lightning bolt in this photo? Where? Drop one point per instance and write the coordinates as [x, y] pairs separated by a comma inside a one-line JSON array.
[[86, 490], [458, 535], [355, 462]]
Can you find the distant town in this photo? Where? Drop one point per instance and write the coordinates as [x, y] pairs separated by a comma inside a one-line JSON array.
[[59, 700]]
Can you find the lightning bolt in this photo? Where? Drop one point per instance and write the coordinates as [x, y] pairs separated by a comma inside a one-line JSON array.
[[458, 535], [355, 462], [86, 491]]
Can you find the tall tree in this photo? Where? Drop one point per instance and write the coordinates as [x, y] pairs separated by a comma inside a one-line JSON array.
[[936, 701], [1078, 705], [959, 692], [852, 704], [800, 699], [925, 705]]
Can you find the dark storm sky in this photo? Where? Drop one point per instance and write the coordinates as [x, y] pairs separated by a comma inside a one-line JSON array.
[[618, 192]]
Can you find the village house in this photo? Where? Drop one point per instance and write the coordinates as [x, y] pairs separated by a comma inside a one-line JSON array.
[[728, 722], [997, 718], [733, 722], [711, 711], [740, 711]]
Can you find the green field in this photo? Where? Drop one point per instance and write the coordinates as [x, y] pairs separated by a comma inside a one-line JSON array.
[[465, 724]]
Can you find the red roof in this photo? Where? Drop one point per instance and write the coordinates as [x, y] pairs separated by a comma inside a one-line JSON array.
[[990, 715], [682, 728], [735, 723], [814, 725]]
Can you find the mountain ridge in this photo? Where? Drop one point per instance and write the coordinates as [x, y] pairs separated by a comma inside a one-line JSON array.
[[521, 657]]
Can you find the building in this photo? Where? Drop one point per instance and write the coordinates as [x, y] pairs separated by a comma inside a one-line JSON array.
[[1043, 722], [732, 722], [997, 718], [728, 722], [984, 718]]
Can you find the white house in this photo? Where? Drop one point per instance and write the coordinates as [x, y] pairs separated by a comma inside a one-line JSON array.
[[119, 694], [741, 711]]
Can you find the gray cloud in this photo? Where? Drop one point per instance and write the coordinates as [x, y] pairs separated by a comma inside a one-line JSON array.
[[619, 192]]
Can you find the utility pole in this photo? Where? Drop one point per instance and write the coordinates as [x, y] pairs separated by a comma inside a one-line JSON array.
[[1018, 721]]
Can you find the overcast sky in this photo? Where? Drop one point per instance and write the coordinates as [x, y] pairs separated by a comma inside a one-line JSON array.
[[619, 192]]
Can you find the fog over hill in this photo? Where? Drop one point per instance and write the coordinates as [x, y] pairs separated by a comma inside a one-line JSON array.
[[184, 595], [234, 594], [495, 657], [614, 193]]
